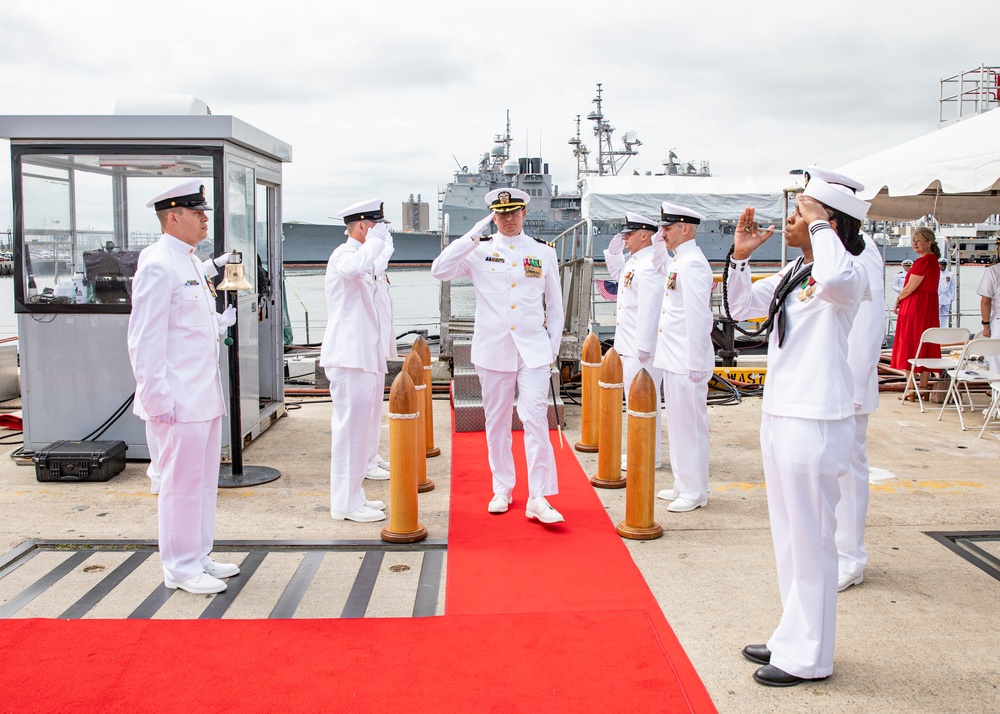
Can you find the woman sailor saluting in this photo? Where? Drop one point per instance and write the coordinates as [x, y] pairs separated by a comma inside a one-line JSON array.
[[807, 420]]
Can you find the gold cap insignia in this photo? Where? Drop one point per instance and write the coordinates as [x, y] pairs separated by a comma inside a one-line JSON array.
[[503, 198]]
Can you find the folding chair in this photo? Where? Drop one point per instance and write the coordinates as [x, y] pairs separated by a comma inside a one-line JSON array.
[[968, 371], [934, 336], [994, 408]]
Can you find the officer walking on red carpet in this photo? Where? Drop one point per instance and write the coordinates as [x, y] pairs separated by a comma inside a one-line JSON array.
[[173, 345], [515, 340], [640, 295], [684, 352], [354, 359]]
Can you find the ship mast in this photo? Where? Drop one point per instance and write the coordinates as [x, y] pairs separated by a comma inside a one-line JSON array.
[[609, 159], [580, 152]]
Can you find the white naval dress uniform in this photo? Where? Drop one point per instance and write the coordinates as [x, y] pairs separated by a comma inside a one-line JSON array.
[[806, 430], [684, 345], [173, 344], [515, 340], [354, 359], [989, 287], [153, 470], [946, 295], [640, 294], [864, 348]]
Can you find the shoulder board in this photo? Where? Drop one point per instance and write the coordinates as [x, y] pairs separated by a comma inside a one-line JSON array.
[[550, 245]]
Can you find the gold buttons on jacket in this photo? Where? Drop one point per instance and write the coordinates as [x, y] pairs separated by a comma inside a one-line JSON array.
[[513, 284], [512, 307], [511, 327]]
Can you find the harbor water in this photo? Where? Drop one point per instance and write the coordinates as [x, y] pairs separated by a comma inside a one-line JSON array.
[[416, 300]]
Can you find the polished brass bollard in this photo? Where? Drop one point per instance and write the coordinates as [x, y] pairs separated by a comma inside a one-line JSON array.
[[405, 449], [590, 375], [424, 352], [413, 366], [609, 452], [641, 475]]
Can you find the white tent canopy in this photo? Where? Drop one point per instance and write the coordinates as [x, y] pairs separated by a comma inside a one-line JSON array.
[[952, 173], [608, 198]]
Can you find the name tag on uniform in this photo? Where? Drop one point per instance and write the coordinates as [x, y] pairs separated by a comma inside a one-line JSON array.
[[532, 267], [495, 258], [671, 280]]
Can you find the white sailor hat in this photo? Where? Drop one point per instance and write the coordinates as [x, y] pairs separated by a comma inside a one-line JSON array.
[[836, 196], [190, 194], [813, 171], [671, 213], [906, 262], [364, 211], [636, 222], [505, 200]]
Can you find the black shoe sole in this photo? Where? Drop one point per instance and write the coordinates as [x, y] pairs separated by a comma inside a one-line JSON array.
[[784, 683], [755, 660]]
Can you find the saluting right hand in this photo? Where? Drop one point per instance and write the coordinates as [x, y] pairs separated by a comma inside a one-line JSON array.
[[378, 231], [749, 237], [617, 244], [480, 228]]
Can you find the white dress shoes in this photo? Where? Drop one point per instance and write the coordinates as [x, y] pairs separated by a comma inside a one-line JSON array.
[[377, 473], [682, 505], [499, 503], [845, 581], [668, 494], [540, 509], [221, 570], [363, 514], [200, 584], [381, 463], [375, 505]]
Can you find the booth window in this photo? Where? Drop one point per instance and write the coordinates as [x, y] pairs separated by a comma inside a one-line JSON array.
[[84, 222]]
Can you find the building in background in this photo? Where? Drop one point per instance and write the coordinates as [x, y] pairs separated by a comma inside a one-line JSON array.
[[416, 215]]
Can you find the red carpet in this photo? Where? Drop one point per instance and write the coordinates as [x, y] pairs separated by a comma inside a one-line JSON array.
[[538, 618], [509, 564]]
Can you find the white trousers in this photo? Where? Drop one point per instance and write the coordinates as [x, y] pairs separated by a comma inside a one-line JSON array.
[[532, 408], [153, 470], [944, 310], [356, 396], [376, 430], [630, 368], [189, 485], [803, 460], [994, 362], [852, 508], [686, 404]]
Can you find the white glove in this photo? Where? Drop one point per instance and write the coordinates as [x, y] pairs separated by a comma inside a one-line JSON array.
[[479, 229], [221, 260], [698, 376], [228, 317], [378, 231], [643, 355], [165, 418], [617, 244]]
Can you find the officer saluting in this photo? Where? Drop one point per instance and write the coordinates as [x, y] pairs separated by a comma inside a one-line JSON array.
[[515, 339], [173, 345], [640, 294], [354, 359]]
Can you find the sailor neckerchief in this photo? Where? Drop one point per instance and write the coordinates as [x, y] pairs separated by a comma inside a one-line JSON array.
[[789, 282]]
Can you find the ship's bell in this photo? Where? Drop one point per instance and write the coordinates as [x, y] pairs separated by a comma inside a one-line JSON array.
[[235, 279]]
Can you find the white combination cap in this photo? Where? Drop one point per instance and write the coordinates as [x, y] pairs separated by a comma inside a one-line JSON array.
[[671, 213], [637, 222], [190, 194], [813, 171], [506, 200], [364, 211]]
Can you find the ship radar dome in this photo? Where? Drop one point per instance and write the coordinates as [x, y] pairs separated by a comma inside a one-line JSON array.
[[511, 167]]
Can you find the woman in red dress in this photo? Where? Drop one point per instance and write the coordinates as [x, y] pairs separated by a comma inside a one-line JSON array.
[[917, 306]]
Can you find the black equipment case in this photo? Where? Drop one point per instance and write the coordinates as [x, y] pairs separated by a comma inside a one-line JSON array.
[[80, 460]]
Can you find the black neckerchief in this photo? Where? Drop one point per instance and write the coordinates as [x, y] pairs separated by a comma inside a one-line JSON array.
[[776, 312]]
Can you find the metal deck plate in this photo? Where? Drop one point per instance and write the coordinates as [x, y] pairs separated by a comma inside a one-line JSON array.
[[981, 548], [120, 579]]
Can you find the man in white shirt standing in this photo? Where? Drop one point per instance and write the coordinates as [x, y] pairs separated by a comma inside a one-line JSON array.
[[684, 352], [354, 359], [899, 280], [515, 340], [173, 345], [989, 307], [946, 291], [640, 296]]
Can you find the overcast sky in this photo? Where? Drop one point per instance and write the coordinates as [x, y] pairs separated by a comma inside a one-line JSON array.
[[377, 97]]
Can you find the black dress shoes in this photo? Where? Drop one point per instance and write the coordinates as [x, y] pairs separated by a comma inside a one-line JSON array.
[[771, 676], [757, 653]]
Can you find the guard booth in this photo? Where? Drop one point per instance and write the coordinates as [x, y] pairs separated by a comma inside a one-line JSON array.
[[80, 185]]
